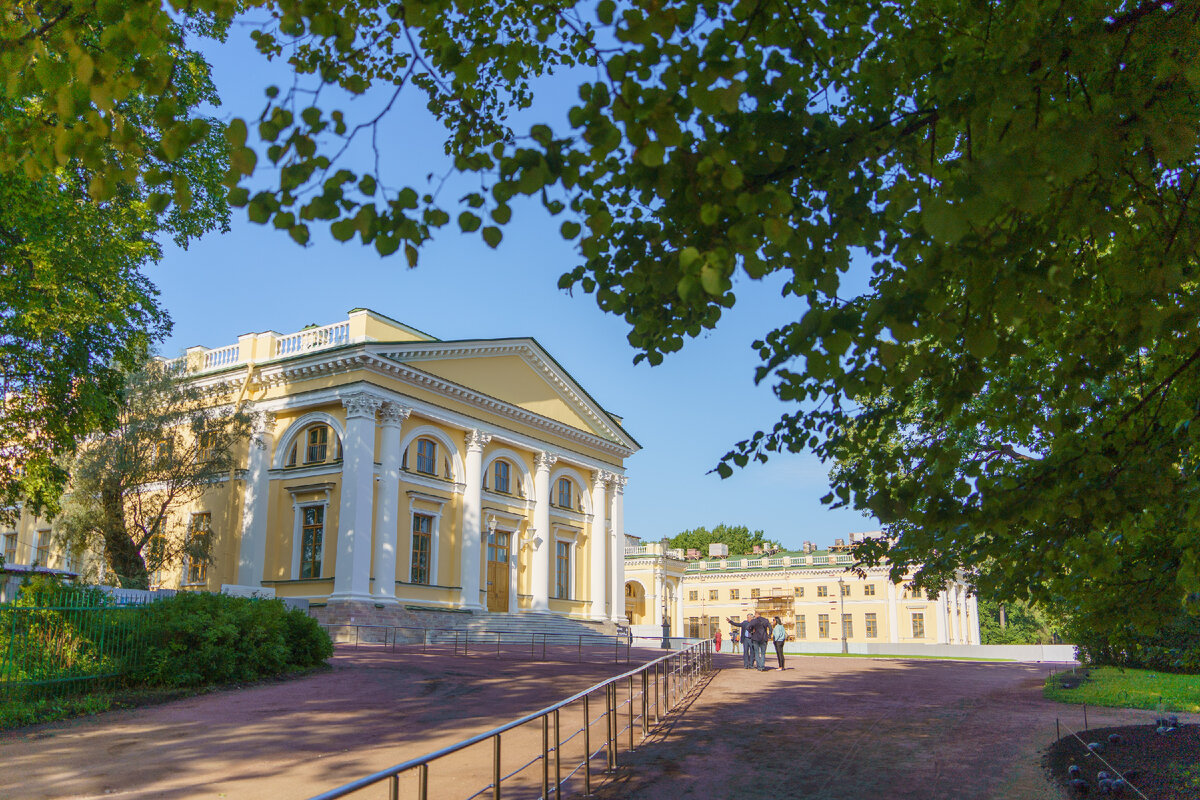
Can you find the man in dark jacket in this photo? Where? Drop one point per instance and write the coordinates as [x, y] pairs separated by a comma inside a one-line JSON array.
[[759, 630], [747, 646]]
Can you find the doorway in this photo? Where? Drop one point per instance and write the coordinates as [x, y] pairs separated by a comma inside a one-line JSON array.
[[497, 570]]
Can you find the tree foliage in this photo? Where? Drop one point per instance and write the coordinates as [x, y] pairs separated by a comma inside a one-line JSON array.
[[739, 538], [1016, 386], [74, 230], [1023, 624], [129, 487]]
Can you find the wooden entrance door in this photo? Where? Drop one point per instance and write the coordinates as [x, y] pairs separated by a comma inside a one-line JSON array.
[[497, 571]]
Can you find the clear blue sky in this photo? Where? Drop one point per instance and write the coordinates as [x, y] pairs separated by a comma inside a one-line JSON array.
[[686, 413]]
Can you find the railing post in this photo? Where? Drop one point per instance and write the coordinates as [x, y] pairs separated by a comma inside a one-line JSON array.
[[609, 709], [645, 692], [423, 782], [631, 746], [557, 758], [496, 768], [587, 749], [581, 648], [545, 757], [657, 703], [543, 647], [394, 789]]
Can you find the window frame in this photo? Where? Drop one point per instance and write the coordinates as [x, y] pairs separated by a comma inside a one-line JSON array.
[[416, 535], [429, 458], [197, 574], [562, 569], [498, 466], [823, 626], [301, 527], [871, 624], [917, 619], [565, 491], [823, 590], [847, 626], [735, 594]]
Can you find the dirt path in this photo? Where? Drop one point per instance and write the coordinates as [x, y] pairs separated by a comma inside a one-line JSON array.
[[297, 738], [834, 728]]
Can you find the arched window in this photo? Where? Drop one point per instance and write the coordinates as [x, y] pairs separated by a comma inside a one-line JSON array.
[[564, 493], [313, 446], [502, 477], [427, 456]]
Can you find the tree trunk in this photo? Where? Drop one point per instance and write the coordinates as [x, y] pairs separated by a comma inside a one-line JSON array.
[[122, 554], [1003, 618]]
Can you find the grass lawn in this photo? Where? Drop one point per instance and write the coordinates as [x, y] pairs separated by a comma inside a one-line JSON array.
[[1126, 688]]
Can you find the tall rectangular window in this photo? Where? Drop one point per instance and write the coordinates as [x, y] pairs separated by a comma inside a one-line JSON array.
[[693, 627], [822, 591], [918, 625], [422, 548], [823, 626], [312, 535], [427, 456], [845, 590], [800, 630], [564, 493], [713, 594], [318, 444], [847, 626], [199, 541], [10, 548], [872, 626], [562, 572], [500, 477], [43, 548]]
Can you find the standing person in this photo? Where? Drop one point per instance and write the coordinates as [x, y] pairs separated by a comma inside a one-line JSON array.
[[744, 636], [779, 636], [759, 629], [733, 639], [717, 641]]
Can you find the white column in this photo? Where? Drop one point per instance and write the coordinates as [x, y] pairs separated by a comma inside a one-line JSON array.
[[599, 545], [893, 614], [956, 615], [472, 524], [539, 571], [942, 613], [618, 550], [391, 417], [352, 572], [656, 605], [972, 619], [252, 553]]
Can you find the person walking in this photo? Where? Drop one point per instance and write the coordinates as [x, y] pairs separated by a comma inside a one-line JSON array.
[[779, 636], [744, 635], [759, 629]]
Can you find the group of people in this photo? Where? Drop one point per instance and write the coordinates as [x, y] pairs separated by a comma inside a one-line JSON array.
[[752, 634]]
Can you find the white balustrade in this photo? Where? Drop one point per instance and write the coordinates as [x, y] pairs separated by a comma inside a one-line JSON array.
[[221, 357], [636, 551], [313, 339]]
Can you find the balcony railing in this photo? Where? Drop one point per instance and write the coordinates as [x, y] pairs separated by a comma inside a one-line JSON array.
[[313, 339]]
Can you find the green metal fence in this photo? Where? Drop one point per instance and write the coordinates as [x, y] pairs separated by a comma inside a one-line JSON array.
[[67, 640]]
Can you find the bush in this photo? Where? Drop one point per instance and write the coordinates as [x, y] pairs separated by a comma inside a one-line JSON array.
[[200, 638], [1173, 647]]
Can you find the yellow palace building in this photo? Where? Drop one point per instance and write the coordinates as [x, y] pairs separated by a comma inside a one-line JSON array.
[[818, 601], [390, 469]]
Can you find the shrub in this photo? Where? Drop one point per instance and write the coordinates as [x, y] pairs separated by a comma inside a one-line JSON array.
[[200, 638]]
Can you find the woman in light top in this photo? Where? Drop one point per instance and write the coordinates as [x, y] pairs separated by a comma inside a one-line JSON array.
[[779, 636]]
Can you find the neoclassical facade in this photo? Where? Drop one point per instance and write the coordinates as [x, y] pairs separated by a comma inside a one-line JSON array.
[[389, 468], [819, 602]]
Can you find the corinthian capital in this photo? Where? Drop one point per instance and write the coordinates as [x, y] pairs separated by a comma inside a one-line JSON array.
[[618, 484], [477, 439], [361, 404], [545, 460], [601, 479], [392, 414]]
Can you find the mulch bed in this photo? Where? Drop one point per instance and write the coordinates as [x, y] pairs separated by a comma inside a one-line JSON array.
[[1161, 766]]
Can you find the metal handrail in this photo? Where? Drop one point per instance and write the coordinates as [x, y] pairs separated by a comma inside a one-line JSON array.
[[694, 661]]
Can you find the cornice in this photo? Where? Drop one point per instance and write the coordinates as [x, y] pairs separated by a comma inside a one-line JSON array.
[[363, 357]]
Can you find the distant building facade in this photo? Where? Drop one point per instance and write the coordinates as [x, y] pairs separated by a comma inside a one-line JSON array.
[[817, 600]]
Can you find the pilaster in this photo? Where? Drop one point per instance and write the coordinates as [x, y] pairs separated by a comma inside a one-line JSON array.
[[599, 545], [391, 419]]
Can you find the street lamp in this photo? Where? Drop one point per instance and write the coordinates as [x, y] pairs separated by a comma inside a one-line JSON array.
[[842, 600]]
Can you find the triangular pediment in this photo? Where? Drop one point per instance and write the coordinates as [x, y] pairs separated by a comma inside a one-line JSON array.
[[516, 371]]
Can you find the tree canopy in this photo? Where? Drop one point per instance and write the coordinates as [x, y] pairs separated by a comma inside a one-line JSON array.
[[75, 311], [130, 488], [739, 538], [1014, 390]]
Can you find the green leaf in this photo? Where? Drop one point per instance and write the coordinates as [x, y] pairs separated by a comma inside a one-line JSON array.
[[492, 236]]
